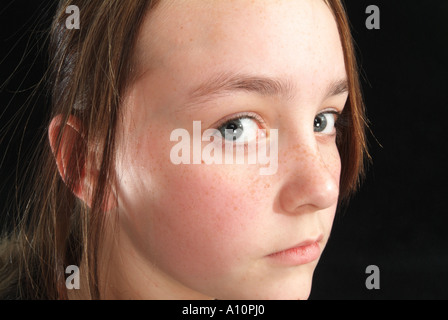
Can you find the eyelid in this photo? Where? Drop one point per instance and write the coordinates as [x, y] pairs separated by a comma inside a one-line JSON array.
[[247, 114], [336, 112], [331, 110]]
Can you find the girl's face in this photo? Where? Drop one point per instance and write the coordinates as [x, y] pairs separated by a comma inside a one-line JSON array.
[[212, 230]]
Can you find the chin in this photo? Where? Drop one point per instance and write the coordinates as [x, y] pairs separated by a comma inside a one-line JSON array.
[[297, 288], [296, 293]]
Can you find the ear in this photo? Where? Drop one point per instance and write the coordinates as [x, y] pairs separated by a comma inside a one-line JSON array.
[[78, 173]]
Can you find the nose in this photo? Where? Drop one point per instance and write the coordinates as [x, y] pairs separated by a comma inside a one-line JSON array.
[[311, 179]]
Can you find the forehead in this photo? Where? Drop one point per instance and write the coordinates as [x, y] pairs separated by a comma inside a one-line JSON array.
[[292, 38]]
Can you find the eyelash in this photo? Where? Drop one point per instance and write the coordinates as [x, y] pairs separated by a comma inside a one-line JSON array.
[[242, 115]]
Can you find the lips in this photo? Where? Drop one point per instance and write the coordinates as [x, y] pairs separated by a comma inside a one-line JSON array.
[[302, 253]]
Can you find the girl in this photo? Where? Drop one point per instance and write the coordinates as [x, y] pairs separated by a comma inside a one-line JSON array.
[[108, 198]]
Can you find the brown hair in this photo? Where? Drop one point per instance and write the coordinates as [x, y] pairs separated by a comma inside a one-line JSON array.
[[352, 144], [90, 69], [87, 79]]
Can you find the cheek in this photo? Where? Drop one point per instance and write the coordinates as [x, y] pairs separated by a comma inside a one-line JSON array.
[[194, 220], [206, 217], [330, 156]]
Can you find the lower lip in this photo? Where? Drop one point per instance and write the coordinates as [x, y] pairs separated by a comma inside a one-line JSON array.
[[298, 255]]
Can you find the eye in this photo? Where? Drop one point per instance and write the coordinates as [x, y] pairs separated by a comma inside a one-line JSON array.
[[325, 122], [240, 129]]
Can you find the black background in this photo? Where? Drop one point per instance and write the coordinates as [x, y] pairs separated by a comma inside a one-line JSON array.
[[398, 220]]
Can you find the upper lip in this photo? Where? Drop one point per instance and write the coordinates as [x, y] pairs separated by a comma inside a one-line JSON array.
[[305, 243]]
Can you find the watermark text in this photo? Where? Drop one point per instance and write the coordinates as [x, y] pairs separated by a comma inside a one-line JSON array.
[[259, 151]]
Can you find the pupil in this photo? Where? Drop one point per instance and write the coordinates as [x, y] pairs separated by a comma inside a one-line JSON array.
[[234, 128]]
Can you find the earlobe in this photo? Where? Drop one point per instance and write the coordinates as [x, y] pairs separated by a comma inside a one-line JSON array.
[[70, 156]]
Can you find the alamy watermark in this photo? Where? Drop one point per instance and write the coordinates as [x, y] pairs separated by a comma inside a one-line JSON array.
[[373, 20], [373, 280], [258, 150], [72, 21], [72, 281]]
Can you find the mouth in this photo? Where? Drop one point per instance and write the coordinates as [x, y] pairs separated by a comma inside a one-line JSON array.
[[302, 253]]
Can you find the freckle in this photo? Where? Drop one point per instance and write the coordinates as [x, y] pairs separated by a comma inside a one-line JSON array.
[[252, 191]]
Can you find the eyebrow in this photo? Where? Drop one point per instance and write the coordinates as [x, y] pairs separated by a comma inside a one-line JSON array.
[[265, 86]]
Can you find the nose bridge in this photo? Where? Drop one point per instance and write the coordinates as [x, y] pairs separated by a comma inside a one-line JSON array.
[[309, 177]]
